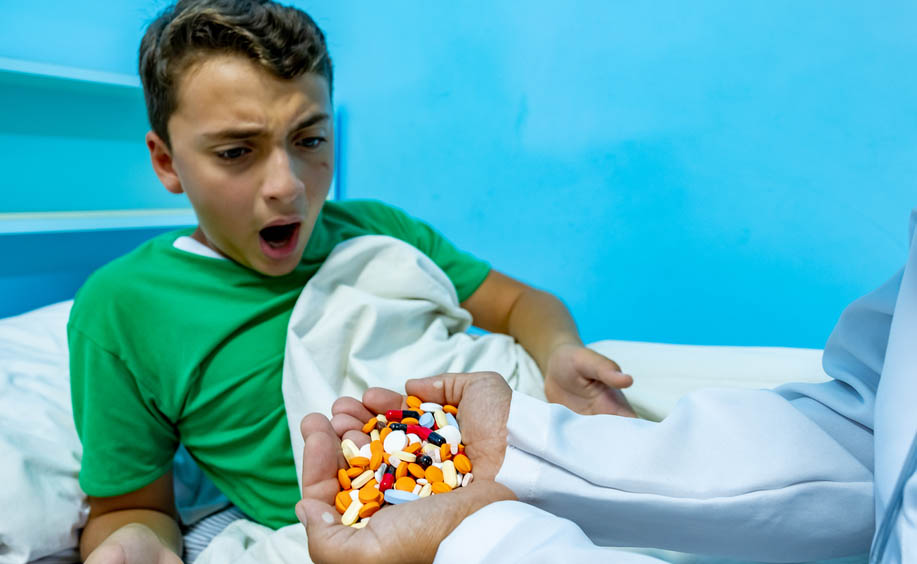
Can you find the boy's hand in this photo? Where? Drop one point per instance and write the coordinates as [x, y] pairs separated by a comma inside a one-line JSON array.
[[586, 382], [410, 532], [133, 544], [483, 401]]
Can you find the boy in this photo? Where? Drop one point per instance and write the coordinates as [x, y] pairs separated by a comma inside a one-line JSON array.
[[181, 341]]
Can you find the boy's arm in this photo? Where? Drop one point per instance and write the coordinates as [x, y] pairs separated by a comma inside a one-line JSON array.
[[140, 526], [575, 376]]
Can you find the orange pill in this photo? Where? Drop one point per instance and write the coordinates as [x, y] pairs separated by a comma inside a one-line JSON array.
[[413, 402], [402, 470], [450, 409], [368, 509], [433, 474], [359, 461], [405, 483], [342, 501], [412, 448], [376, 461], [354, 471], [370, 425], [368, 493], [384, 433], [462, 463], [343, 479], [441, 487], [385, 458], [461, 448], [445, 452], [416, 470], [410, 421]]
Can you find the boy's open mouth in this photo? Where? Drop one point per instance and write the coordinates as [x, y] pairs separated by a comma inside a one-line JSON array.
[[277, 241]]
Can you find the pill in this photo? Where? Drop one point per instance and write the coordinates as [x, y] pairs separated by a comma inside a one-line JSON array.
[[413, 438], [405, 483], [384, 433], [453, 449], [344, 479], [433, 474], [397, 426], [368, 493], [354, 494], [374, 435], [360, 524], [416, 490], [342, 501], [350, 516], [361, 480], [452, 420], [410, 421], [466, 479], [413, 402], [354, 471], [349, 449], [395, 497], [445, 452], [426, 420], [450, 409], [405, 456], [375, 460], [420, 431], [368, 509], [402, 470], [441, 487], [424, 460], [435, 438], [462, 463], [439, 417], [370, 425], [387, 481], [430, 406], [458, 479], [426, 490], [394, 442], [450, 433], [381, 419], [415, 470], [412, 448], [449, 474], [360, 461], [366, 451], [398, 415], [380, 471]]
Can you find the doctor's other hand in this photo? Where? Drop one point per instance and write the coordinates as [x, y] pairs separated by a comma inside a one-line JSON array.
[[586, 382], [482, 399], [409, 532]]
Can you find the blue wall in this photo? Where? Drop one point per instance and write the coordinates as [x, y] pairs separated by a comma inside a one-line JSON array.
[[704, 172]]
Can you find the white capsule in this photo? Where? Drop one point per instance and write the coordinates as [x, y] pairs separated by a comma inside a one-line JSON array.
[[366, 452], [361, 480], [453, 448], [422, 481], [458, 479], [430, 406], [395, 441], [426, 490], [354, 495], [466, 479], [412, 438], [360, 524], [452, 435], [379, 472], [448, 474], [405, 456], [349, 448], [374, 435], [417, 488], [350, 516], [440, 418]]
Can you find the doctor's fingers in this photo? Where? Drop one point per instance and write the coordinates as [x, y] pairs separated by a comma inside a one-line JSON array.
[[453, 388], [322, 457]]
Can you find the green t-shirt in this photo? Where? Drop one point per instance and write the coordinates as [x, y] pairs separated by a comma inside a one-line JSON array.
[[170, 347]]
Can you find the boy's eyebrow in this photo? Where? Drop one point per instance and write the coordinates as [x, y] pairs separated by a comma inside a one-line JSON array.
[[249, 132]]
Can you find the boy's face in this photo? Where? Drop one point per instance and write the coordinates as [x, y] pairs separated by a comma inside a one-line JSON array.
[[254, 153]]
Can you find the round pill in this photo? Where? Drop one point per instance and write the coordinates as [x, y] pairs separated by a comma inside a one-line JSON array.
[[368, 493], [354, 471], [413, 402], [342, 501], [395, 497], [368, 509], [402, 470], [451, 434], [405, 483], [395, 441], [410, 421], [426, 420]]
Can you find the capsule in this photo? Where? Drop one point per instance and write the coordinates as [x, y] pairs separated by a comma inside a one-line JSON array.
[[436, 439], [398, 414], [388, 479], [420, 431], [424, 461], [397, 426]]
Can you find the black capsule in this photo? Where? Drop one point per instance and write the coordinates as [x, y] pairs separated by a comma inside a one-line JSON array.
[[398, 426], [390, 469], [436, 439], [409, 413], [424, 461]]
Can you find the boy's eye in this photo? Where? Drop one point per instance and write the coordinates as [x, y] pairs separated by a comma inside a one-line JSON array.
[[311, 142], [232, 154]]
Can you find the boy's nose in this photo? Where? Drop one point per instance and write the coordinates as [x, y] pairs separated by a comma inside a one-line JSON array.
[[280, 181]]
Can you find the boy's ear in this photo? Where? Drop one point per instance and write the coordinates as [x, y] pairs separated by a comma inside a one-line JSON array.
[[161, 158]]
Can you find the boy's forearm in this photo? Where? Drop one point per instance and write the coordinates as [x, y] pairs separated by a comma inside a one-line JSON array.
[[100, 528], [541, 322]]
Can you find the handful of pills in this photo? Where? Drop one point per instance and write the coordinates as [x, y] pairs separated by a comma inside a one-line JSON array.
[[412, 453]]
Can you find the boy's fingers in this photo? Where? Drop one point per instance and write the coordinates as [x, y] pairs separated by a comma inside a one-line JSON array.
[[599, 367], [445, 388], [350, 406], [380, 400]]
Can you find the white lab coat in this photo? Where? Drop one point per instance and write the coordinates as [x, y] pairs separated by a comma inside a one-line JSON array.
[[802, 472]]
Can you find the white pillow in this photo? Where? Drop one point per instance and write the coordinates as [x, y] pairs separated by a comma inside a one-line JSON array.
[[43, 506]]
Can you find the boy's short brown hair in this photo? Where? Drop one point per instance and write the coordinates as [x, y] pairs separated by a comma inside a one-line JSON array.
[[282, 39]]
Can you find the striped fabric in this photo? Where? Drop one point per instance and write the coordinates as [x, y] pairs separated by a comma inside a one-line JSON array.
[[199, 535]]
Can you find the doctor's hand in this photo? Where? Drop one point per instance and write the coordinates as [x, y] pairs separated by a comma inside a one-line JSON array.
[[482, 399], [409, 532], [586, 381]]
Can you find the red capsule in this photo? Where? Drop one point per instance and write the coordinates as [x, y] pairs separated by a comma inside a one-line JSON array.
[[420, 431], [398, 415], [387, 481]]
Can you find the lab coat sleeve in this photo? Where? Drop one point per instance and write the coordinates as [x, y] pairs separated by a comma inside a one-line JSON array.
[[510, 532], [778, 475]]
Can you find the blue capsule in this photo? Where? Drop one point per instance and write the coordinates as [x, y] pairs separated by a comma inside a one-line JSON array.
[[424, 461], [398, 426], [436, 439], [426, 420]]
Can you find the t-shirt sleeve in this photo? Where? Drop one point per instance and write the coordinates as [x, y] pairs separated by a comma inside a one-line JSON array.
[[127, 442], [466, 271]]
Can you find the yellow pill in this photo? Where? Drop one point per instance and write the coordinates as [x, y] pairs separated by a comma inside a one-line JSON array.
[[362, 479], [449, 475], [353, 511]]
